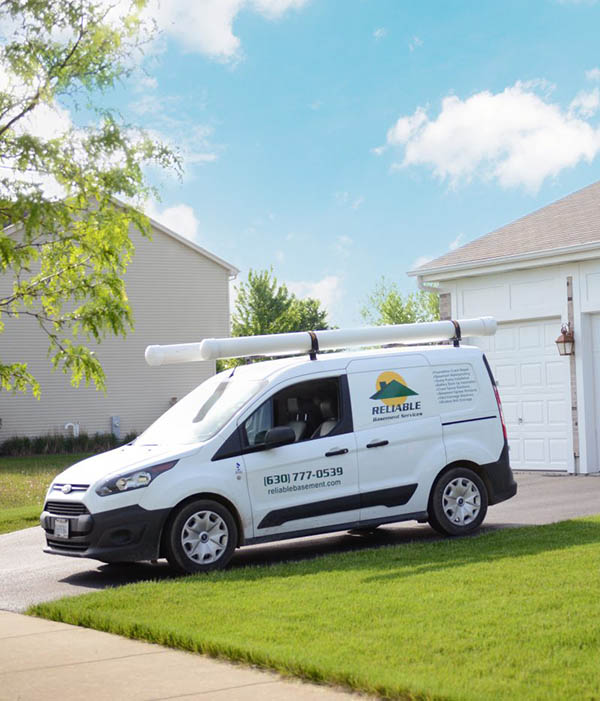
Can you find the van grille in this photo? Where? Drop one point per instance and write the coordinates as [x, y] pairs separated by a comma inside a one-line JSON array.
[[67, 545], [57, 486], [66, 508]]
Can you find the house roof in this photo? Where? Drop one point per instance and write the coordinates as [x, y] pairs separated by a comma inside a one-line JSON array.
[[194, 246], [567, 223], [233, 271]]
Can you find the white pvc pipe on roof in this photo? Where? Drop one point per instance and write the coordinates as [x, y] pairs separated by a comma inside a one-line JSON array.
[[301, 342]]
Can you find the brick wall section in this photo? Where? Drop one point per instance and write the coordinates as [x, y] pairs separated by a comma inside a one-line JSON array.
[[445, 306]]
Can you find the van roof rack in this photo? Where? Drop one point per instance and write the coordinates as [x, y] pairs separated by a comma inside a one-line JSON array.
[[312, 342]]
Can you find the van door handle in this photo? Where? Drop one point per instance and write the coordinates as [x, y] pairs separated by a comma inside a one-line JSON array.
[[337, 451], [377, 444]]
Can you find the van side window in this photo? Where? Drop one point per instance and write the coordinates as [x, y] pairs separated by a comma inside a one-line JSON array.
[[312, 409]]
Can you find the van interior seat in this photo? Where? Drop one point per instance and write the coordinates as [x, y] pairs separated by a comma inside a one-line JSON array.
[[329, 419], [297, 421]]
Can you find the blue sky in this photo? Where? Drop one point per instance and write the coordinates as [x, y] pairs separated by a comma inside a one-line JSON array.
[[342, 140]]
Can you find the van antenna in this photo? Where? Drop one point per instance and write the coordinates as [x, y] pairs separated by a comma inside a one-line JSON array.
[[457, 337], [314, 345]]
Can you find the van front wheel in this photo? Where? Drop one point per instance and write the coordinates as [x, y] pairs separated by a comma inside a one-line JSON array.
[[458, 502], [202, 537]]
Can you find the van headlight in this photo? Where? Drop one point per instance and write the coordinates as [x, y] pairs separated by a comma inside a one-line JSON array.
[[134, 479]]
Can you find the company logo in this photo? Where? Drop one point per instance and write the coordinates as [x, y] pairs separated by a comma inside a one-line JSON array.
[[392, 389], [394, 394], [66, 488]]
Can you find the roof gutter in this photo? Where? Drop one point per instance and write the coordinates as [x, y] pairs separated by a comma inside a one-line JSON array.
[[432, 289], [531, 256]]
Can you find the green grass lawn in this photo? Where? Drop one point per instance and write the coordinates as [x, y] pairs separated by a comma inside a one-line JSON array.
[[513, 614], [23, 485]]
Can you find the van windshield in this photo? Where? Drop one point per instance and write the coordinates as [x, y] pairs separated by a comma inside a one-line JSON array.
[[203, 412]]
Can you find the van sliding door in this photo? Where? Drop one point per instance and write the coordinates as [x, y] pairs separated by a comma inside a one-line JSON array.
[[398, 433]]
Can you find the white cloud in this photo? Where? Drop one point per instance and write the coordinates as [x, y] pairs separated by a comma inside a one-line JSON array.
[[206, 26], [379, 33], [405, 127], [342, 246], [415, 43], [328, 290], [343, 199], [593, 74], [148, 82], [516, 137], [191, 141], [585, 104], [47, 120], [279, 256], [457, 243], [180, 218]]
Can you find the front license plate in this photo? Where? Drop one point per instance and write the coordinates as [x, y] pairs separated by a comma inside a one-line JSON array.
[[61, 527]]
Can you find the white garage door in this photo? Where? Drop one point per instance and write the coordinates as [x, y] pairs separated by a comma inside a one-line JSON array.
[[534, 387]]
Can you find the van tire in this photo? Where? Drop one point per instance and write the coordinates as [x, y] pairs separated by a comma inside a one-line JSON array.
[[458, 502], [202, 537]]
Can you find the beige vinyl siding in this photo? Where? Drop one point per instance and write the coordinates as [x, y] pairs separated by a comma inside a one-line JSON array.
[[177, 295]]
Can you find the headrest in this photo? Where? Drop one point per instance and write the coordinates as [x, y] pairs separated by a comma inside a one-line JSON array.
[[292, 405], [326, 406]]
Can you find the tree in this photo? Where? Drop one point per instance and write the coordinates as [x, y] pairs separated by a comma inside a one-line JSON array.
[[64, 240], [387, 305], [263, 306]]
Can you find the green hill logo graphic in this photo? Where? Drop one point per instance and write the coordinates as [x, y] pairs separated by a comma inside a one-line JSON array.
[[392, 389]]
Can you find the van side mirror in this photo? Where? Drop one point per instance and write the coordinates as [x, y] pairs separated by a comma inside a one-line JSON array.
[[279, 435]]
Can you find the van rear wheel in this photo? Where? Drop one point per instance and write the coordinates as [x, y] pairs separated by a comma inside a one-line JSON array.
[[202, 537], [458, 502]]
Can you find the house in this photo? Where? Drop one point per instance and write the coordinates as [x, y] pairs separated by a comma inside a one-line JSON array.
[[178, 292], [534, 275]]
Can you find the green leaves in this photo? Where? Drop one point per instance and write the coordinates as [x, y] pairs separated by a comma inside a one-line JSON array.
[[64, 239], [263, 306], [387, 305]]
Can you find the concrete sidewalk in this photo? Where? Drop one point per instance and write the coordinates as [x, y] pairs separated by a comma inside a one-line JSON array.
[[44, 660]]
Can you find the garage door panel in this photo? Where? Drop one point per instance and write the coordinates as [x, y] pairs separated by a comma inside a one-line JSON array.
[[558, 451], [529, 337], [557, 412], [511, 412], [555, 373], [534, 387], [534, 450], [505, 339], [531, 374], [506, 375], [533, 413]]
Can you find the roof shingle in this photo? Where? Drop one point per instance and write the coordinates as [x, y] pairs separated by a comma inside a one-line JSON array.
[[571, 221]]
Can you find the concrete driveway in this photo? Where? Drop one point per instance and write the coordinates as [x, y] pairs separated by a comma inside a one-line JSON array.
[[28, 576]]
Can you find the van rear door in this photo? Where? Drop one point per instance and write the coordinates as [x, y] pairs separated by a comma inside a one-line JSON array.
[[398, 433]]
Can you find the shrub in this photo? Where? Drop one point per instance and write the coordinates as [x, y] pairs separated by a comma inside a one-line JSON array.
[[54, 443]]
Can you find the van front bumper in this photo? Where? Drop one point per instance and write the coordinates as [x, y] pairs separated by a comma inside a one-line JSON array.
[[498, 478], [130, 533]]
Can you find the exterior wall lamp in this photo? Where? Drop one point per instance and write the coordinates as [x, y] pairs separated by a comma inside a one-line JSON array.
[[566, 342]]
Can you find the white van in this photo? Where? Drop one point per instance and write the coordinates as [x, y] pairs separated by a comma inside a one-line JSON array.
[[294, 447]]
